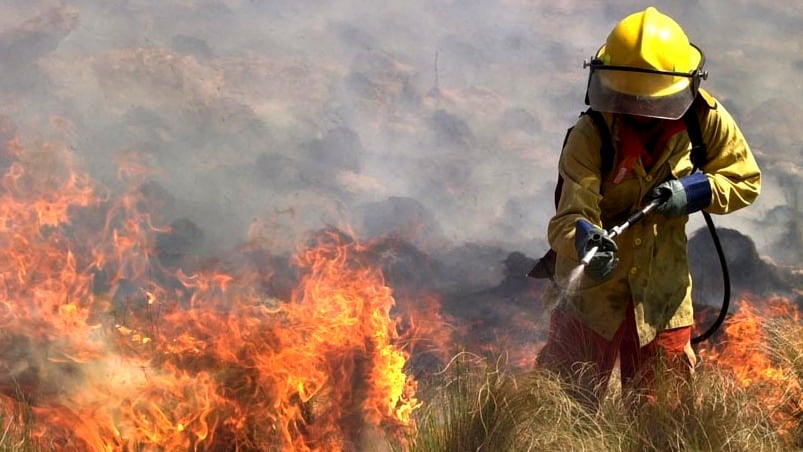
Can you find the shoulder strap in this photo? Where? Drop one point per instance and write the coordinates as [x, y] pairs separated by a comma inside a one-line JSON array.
[[698, 147], [606, 148], [559, 183]]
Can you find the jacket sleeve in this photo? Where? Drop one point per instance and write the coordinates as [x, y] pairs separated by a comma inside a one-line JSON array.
[[730, 165], [579, 166]]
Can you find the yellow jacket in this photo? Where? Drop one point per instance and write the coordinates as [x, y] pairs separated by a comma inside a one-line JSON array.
[[653, 268]]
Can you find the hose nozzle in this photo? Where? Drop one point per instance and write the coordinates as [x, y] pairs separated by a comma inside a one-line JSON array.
[[590, 254], [593, 238]]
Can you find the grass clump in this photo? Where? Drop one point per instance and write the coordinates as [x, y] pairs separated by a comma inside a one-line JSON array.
[[785, 346], [475, 406], [482, 407]]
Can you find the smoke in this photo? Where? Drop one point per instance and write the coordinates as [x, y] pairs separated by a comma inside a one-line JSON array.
[[439, 122]]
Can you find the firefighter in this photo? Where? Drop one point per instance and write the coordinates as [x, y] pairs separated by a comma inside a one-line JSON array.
[[632, 304]]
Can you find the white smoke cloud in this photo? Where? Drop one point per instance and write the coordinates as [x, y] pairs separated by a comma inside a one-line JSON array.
[[254, 108]]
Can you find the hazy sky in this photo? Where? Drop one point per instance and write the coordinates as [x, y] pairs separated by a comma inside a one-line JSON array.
[[441, 121]]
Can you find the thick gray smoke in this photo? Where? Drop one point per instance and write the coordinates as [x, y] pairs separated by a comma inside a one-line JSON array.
[[437, 121]]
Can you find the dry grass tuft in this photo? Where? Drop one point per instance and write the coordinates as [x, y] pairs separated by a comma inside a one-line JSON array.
[[785, 345], [481, 407]]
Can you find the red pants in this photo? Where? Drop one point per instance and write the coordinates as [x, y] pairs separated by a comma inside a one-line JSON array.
[[587, 360]]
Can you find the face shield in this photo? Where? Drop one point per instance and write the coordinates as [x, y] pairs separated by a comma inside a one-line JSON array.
[[642, 92]]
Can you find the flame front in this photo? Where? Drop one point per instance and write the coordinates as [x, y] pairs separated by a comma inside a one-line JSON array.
[[103, 348], [745, 352]]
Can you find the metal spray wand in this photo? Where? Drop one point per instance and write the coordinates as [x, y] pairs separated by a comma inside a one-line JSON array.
[[616, 230]]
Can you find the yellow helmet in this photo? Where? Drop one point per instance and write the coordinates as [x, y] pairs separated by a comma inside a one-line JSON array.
[[646, 67]]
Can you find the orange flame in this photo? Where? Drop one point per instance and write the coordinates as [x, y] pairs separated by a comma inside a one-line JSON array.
[[104, 349], [744, 352]]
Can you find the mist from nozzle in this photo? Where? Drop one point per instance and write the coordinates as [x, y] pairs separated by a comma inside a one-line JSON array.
[[573, 282]]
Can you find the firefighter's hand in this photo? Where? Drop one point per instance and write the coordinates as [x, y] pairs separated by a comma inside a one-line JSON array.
[[604, 260], [682, 196]]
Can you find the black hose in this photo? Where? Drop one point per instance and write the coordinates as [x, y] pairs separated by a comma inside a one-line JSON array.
[[723, 311]]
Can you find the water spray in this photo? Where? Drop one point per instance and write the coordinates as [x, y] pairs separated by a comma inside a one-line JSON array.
[[616, 230]]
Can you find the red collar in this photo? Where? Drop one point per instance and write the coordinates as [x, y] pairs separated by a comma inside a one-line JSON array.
[[633, 144]]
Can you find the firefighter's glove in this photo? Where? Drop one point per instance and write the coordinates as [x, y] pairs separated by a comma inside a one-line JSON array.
[[604, 260], [682, 196]]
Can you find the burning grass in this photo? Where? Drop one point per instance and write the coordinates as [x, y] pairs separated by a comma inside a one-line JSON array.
[[104, 346]]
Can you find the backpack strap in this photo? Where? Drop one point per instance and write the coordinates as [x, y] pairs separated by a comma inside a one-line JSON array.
[[606, 147], [698, 147]]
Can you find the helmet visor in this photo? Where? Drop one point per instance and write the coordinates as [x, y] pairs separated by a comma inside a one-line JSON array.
[[603, 97], [642, 91]]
